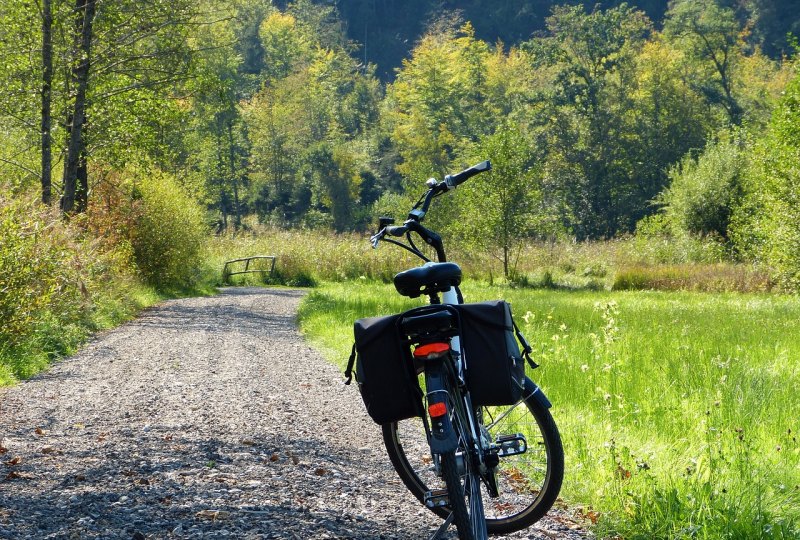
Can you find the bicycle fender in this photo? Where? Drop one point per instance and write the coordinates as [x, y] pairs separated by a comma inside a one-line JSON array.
[[443, 437], [532, 390]]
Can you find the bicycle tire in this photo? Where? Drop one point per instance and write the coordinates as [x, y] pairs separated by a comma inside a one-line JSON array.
[[524, 500], [455, 488]]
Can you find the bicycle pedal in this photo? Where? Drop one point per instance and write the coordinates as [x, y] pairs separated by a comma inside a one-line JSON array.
[[437, 498], [511, 445]]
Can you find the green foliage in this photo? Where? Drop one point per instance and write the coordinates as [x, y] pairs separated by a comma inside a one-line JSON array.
[[310, 150], [39, 275], [59, 282], [168, 232], [498, 210], [432, 110], [767, 224], [709, 35], [674, 408], [704, 191]]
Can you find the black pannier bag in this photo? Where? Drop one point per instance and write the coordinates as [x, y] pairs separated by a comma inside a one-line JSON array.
[[384, 370], [494, 363]]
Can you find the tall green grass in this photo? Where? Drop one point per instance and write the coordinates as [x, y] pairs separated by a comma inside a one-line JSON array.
[[678, 411], [306, 257]]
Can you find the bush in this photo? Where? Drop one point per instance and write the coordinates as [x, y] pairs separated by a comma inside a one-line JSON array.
[[703, 191], [40, 276], [168, 232], [766, 227]]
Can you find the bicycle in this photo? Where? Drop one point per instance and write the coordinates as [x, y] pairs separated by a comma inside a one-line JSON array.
[[478, 446]]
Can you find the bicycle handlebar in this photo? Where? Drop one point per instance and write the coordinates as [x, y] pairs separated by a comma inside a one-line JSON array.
[[452, 180], [417, 214]]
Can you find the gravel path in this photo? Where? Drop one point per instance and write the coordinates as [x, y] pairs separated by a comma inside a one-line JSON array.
[[203, 418]]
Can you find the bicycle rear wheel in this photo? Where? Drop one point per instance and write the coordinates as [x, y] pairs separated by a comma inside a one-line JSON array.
[[528, 483]]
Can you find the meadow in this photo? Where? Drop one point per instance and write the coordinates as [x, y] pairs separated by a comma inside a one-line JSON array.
[[678, 410]]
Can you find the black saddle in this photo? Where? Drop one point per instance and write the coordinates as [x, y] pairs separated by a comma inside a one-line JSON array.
[[428, 279]]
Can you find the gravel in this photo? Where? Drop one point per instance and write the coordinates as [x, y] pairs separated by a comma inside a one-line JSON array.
[[204, 418]]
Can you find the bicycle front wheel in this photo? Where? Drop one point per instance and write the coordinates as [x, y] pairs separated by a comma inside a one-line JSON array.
[[528, 483]]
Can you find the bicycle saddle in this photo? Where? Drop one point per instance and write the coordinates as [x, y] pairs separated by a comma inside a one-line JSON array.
[[428, 279]]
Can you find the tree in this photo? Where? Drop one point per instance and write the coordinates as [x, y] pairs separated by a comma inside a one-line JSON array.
[[310, 125], [766, 225], [588, 115], [90, 65], [709, 36], [76, 147], [47, 95], [501, 209], [437, 102]]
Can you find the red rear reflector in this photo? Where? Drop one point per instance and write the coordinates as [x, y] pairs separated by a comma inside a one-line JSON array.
[[437, 409], [431, 350]]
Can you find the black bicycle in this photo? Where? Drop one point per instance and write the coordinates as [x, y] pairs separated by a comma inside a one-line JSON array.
[[470, 435]]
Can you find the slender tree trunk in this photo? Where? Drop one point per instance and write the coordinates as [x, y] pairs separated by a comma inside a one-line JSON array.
[[84, 13], [237, 214], [82, 184], [223, 194], [47, 84]]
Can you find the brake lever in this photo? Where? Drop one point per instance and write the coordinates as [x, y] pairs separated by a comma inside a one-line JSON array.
[[376, 238]]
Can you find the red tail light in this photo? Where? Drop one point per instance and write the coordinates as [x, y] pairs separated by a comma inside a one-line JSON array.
[[437, 409], [431, 350]]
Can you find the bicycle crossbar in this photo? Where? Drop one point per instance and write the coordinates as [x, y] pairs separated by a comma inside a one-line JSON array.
[[226, 271]]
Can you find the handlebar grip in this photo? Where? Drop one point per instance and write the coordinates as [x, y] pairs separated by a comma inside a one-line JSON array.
[[452, 180], [397, 231]]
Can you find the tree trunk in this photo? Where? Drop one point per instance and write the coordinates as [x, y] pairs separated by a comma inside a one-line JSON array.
[[84, 16], [237, 214], [47, 84], [82, 184]]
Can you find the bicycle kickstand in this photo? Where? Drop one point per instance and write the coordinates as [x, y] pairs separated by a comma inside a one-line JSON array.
[[443, 528]]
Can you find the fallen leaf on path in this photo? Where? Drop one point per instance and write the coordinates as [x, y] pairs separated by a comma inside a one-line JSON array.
[[13, 461], [213, 514], [16, 475], [3, 449], [49, 450], [39, 431]]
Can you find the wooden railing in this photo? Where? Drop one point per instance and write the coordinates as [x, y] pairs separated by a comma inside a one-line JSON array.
[[231, 269]]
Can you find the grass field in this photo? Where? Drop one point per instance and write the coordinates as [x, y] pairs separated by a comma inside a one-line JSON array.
[[679, 411]]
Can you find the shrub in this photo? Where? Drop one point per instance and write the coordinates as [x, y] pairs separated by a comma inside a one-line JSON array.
[[39, 269], [168, 233], [43, 294], [703, 191], [766, 226]]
